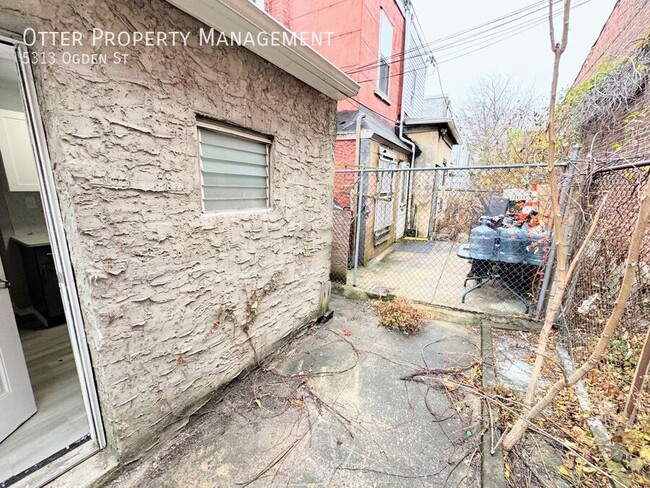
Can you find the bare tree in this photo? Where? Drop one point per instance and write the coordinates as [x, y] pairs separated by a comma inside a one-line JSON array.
[[565, 269], [631, 265], [499, 119]]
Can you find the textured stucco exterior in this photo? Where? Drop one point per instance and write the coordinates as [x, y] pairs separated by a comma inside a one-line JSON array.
[[177, 303]]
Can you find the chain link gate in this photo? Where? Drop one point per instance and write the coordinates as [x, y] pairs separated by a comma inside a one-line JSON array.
[[472, 238]]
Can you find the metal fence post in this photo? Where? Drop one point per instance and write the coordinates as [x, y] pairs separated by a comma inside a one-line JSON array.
[[357, 230], [564, 201]]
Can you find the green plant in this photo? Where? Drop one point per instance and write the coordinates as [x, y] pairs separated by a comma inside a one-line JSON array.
[[400, 314], [599, 99]]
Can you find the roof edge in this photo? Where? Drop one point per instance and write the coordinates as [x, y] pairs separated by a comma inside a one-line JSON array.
[[301, 61], [449, 122]]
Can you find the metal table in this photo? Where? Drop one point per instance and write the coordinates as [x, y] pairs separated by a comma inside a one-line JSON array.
[[484, 271]]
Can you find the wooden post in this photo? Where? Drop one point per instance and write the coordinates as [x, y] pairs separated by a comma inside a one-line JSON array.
[[638, 381]]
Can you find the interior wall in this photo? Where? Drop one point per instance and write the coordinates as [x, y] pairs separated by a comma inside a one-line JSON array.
[[20, 212], [10, 98]]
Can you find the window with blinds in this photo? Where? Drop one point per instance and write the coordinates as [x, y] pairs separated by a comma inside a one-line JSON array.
[[234, 169]]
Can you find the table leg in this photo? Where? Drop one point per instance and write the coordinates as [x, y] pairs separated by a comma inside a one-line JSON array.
[[517, 295]]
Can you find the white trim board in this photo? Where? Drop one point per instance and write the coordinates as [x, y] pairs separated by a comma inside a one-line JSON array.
[[65, 275], [301, 61]]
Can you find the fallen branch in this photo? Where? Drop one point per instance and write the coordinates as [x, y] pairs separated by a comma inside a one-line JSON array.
[[528, 422]]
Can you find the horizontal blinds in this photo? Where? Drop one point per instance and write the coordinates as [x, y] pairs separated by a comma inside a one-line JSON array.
[[234, 172]]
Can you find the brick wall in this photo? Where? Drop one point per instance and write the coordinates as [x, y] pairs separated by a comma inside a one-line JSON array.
[[627, 137], [627, 134], [280, 9], [345, 152], [345, 155], [354, 42], [628, 22], [610, 141], [164, 288]]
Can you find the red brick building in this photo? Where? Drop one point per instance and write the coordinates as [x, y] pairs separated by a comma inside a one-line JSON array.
[[358, 28], [386, 124]]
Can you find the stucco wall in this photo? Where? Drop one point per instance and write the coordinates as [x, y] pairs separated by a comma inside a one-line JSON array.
[[168, 293]]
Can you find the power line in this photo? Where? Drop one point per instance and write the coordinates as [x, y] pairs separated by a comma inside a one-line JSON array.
[[495, 38], [472, 41], [468, 39], [423, 36], [467, 33], [541, 6], [464, 51]]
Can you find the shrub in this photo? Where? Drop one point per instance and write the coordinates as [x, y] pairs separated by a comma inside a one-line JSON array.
[[400, 314]]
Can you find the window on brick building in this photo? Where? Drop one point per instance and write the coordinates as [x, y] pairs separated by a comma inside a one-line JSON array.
[[234, 168], [385, 52]]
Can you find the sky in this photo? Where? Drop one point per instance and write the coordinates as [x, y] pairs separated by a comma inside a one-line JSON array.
[[525, 56]]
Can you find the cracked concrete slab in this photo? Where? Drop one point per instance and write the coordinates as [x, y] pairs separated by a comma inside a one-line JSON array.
[[331, 409]]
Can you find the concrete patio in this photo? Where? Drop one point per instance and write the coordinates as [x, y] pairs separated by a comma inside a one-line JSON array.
[[332, 409], [432, 272]]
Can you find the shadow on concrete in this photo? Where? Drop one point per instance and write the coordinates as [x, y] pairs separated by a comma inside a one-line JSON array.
[[331, 409]]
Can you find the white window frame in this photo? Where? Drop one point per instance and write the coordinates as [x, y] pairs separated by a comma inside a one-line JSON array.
[[202, 124], [385, 29], [386, 183]]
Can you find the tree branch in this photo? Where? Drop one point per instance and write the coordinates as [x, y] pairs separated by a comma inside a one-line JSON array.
[[614, 320]]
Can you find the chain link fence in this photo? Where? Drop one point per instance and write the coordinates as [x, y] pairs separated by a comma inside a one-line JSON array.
[[593, 290], [472, 238]]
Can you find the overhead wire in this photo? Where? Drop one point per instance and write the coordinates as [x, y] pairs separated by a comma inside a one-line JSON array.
[[468, 34], [494, 38], [468, 49]]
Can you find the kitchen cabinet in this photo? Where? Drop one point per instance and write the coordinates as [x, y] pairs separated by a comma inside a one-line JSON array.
[[42, 280]]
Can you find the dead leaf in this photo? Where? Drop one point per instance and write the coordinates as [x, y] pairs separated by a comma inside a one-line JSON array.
[[297, 402], [346, 332], [449, 385], [636, 464], [564, 471], [644, 452]]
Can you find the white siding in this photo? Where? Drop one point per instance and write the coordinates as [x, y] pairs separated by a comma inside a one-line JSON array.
[[415, 72]]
